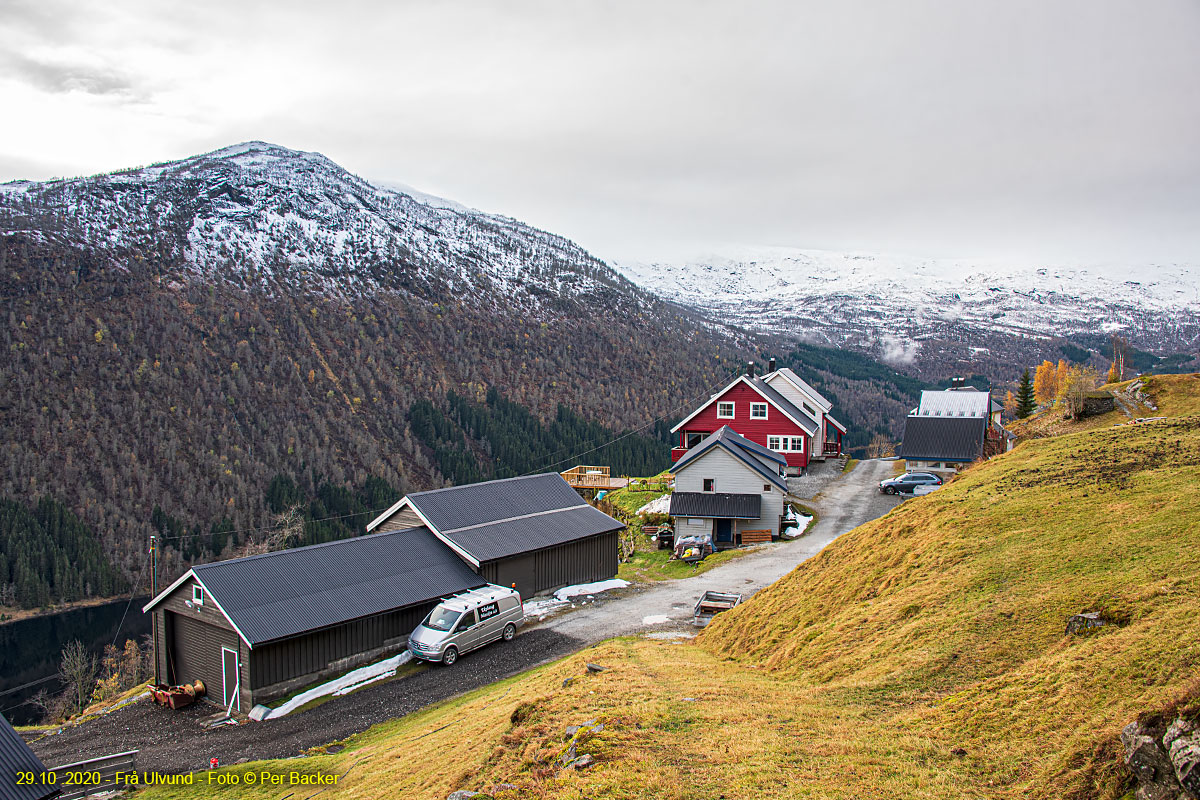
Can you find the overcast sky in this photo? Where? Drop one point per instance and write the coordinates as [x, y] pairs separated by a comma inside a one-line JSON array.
[[1035, 129]]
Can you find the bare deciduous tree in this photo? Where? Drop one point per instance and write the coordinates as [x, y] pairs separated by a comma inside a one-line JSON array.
[[78, 673]]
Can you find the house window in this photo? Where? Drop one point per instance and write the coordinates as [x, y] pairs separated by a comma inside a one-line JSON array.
[[758, 411], [694, 438], [775, 443], [812, 412], [797, 444], [708, 484], [197, 594], [766, 487], [724, 410]]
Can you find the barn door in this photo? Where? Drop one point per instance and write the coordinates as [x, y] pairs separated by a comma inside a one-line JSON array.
[[229, 672]]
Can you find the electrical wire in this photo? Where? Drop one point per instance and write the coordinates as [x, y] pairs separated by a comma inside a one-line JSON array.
[[685, 404]]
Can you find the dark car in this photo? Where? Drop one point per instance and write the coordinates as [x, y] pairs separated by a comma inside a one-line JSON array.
[[908, 482]]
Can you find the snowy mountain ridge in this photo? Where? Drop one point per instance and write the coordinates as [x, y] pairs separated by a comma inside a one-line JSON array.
[[860, 298], [259, 213]]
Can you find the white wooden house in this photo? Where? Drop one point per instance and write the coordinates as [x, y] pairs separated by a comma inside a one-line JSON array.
[[730, 487]]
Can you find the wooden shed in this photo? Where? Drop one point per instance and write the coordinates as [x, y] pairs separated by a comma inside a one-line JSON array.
[[533, 532], [257, 628]]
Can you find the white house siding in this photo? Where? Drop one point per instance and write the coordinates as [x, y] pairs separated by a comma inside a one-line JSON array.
[[800, 400], [730, 475]]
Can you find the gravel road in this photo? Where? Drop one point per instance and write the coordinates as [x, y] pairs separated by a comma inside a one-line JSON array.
[[175, 742]]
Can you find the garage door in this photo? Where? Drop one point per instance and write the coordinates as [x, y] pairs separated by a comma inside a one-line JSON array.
[[202, 651]]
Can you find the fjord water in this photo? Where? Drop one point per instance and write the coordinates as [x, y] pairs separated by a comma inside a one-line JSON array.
[[30, 648]]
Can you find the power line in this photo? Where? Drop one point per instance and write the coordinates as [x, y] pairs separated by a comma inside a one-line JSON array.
[[685, 404]]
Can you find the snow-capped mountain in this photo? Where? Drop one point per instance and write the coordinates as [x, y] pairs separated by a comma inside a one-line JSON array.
[[258, 213], [895, 304]]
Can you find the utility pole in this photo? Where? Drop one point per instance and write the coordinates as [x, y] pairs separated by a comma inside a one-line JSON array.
[[154, 594]]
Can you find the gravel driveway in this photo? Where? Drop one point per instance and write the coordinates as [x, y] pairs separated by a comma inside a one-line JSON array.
[[175, 742]]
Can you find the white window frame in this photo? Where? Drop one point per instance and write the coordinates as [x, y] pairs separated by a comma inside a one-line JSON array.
[[755, 406], [706, 481], [197, 594], [775, 443], [799, 449], [732, 409]]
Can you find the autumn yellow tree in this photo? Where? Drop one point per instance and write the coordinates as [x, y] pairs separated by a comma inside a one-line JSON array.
[[1045, 383], [1061, 372], [1010, 405]]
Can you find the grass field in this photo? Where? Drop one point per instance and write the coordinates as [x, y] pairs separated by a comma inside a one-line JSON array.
[[922, 655]]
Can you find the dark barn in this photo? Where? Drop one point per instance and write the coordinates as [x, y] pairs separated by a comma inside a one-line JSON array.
[[534, 532], [257, 628]]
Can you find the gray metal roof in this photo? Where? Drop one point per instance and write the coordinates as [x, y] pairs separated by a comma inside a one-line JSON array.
[[954, 403], [15, 756], [943, 438], [758, 458], [289, 592], [501, 518], [803, 385], [719, 505], [803, 418]]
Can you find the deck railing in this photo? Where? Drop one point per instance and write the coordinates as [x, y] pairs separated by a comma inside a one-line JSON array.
[[585, 477]]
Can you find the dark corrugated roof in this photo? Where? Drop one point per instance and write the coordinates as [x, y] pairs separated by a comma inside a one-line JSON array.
[[943, 438], [476, 503], [763, 461], [288, 592], [779, 401], [722, 505], [510, 537], [501, 518], [15, 756]]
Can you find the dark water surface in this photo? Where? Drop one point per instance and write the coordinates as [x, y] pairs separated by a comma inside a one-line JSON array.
[[30, 648]]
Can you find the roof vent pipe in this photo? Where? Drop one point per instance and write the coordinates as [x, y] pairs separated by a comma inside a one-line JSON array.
[[749, 369], [771, 365]]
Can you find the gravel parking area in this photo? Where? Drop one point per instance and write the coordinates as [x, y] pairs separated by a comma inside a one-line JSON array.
[[819, 475], [175, 742]]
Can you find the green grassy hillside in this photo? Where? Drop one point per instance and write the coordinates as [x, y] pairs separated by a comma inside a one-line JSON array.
[[920, 655]]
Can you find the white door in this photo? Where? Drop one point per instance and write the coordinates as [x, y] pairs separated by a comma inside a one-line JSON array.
[[229, 674]]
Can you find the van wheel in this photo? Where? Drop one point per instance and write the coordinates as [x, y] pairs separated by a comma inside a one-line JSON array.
[[450, 656], [510, 631]]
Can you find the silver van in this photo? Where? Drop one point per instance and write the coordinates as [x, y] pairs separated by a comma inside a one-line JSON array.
[[465, 621]]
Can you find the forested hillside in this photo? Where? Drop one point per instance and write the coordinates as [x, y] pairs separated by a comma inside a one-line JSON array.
[[126, 391]]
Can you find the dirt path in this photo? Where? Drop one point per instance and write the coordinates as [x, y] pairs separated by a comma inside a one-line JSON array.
[[175, 742]]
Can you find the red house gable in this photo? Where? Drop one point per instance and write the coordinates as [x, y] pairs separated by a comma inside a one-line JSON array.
[[777, 432]]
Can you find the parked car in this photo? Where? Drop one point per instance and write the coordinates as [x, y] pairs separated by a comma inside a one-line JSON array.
[[908, 482], [466, 621]]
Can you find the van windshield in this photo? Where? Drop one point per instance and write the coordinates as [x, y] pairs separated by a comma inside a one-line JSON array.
[[442, 618]]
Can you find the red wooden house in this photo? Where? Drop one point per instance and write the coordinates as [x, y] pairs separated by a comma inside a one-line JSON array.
[[751, 407]]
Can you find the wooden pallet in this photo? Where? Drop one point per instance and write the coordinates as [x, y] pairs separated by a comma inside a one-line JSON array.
[[756, 537]]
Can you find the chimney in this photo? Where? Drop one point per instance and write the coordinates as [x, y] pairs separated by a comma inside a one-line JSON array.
[[749, 369], [771, 365]]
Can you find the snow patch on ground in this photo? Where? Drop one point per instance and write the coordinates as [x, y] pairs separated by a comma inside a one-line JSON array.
[[668, 635], [568, 592], [655, 619], [542, 607], [657, 506], [345, 684]]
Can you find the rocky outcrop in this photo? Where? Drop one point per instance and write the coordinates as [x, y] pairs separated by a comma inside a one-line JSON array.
[[1165, 763]]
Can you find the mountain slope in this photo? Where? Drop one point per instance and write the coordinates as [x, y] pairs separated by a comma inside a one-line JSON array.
[[929, 312], [920, 655], [179, 335]]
